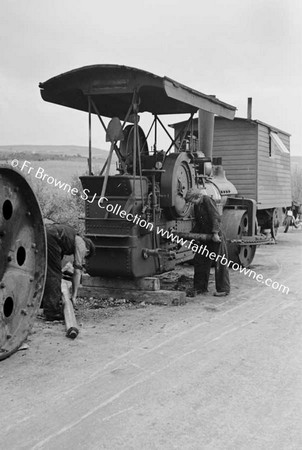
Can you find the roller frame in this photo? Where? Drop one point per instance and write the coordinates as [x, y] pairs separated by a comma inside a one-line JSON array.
[[23, 256]]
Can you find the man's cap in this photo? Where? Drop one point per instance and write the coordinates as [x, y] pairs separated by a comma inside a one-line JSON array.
[[90, 246]]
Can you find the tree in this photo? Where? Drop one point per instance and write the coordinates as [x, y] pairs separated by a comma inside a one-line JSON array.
[[297, 184], [61, 207]]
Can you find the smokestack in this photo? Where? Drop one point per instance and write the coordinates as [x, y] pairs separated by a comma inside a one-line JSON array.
[[205, 132], [249, 108]]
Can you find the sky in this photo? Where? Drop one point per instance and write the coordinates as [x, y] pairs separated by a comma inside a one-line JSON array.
[[233, 49]]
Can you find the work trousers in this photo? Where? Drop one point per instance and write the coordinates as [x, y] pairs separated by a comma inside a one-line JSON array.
[[202, 267], [52, 302]]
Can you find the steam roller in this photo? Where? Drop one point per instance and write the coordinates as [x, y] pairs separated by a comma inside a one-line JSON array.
[[130, 214], [22, 259]]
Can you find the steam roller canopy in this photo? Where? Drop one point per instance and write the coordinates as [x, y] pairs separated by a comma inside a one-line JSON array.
[[22, 259]]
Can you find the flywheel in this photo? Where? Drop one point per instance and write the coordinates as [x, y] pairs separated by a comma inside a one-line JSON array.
[[176, 180], [22, 259]]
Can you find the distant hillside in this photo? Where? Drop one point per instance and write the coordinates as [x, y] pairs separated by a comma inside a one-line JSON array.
[[68, 150], [60, 161]]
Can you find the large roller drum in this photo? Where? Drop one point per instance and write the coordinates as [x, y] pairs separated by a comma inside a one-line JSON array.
[[235, 227], [22, 259]]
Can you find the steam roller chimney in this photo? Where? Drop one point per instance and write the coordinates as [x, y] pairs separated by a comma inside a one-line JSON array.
[[249, 108], [206, 132]]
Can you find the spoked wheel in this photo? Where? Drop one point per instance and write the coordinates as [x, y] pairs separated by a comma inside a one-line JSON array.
[[22, 259], [287, 224], [274, 223], [235, 225]]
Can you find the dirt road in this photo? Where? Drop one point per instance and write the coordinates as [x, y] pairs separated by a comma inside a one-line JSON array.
[[213, 374]]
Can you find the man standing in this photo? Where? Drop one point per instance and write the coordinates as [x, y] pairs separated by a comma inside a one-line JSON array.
[[63, 240], [208, 221]]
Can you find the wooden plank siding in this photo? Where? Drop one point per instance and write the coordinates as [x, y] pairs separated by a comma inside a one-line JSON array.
[[273, 172], [236, 143], [244, 146]]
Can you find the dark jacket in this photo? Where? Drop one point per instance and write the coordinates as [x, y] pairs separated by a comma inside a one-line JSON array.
[[64, 235], [207, 217]]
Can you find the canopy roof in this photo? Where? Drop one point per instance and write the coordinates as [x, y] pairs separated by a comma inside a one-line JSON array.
[[239, 119], [112, 88]]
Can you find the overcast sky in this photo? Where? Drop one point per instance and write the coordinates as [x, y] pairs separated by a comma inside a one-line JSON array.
[[231, 48]]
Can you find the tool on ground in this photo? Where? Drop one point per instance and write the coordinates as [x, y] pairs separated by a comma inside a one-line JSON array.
[[72, 329]]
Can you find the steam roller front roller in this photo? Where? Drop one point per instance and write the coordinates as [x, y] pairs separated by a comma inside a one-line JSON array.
[[22, 259], [235, 226]]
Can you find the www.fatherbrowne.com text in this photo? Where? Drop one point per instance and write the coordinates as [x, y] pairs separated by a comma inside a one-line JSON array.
[[138, 220]]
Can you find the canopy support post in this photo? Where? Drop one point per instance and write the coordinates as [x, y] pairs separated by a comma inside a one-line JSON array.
[[89, 124]]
